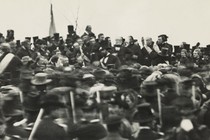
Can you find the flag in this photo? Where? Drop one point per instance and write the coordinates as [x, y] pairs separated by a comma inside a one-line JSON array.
[[52, 29]]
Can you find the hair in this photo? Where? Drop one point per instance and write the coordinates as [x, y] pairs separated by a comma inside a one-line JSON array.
[[198, 51], [99, 35]]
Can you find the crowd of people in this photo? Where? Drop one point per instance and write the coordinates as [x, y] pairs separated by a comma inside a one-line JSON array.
[[87, 88]]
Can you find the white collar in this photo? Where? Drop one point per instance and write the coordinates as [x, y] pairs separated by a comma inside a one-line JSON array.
[[144, 127]]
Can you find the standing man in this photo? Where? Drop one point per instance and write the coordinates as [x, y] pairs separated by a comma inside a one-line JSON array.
[[162, 44], [88, 31]]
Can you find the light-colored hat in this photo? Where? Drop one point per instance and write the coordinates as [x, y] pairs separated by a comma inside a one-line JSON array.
[[40, 79]]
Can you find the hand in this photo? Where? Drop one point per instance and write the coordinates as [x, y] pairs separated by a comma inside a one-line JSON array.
[[134, 56], [186, 125]]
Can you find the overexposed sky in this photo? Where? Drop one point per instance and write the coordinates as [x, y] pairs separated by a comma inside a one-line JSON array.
[[181, 20]]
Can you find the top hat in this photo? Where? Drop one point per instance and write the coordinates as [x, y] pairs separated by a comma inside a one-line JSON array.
[[144, 113], [70, 28], [28, 38], [40, 79], [149, 88], [56, 36], [35, 39], [177, 49]]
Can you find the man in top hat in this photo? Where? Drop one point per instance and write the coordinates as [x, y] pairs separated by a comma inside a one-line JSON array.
[[72, 33], [108, 60], [50, 128]]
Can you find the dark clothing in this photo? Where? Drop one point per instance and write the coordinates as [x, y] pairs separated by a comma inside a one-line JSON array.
[[23, 52], [91, 34], [111, 62], [48, 130], [136, 50], [19, 131], [114, 136], [168, 46], [88, 131], [13, 68], [147, 134], [146, 59]]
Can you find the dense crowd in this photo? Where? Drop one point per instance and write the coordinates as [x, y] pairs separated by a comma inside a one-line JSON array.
[[86, 88]]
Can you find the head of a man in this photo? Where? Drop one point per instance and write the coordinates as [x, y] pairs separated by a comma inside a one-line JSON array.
[[162, 39], [119, 41], [80, 41], [88, 28], [100, 37], [4, 48], [149, 41], [26, 44]]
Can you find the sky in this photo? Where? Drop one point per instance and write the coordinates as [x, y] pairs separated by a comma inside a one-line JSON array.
[[181, 20]]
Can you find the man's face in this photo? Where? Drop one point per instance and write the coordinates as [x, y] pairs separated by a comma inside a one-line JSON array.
[[89, 29], [195, 54], [160, 40], [104, 52], [85, 38], [101, 37], [92, 41], [80, 41], [2, 39], [149, 41], [118, 41], [76, 46]]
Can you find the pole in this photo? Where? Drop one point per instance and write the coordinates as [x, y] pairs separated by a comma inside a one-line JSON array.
[[98, 98], [193, 94], [36, 124], [73, 106], [159, 107]]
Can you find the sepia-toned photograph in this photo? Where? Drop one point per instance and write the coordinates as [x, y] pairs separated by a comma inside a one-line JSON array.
[[105, 70]]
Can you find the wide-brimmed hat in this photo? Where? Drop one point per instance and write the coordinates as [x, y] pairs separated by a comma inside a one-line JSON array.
[[40, 79]]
